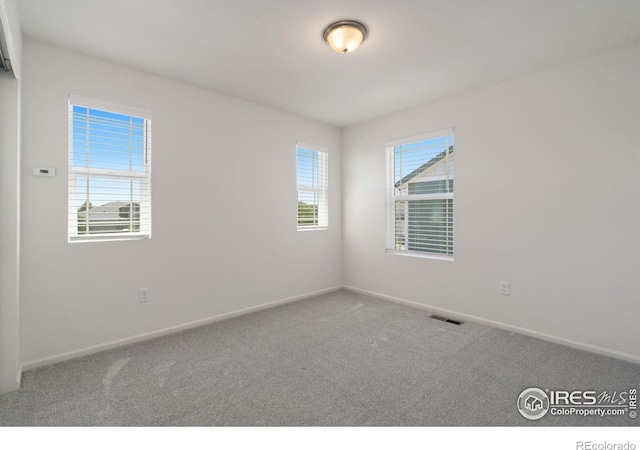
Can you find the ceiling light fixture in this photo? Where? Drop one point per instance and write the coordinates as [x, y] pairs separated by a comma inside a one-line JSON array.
[[344, 36]]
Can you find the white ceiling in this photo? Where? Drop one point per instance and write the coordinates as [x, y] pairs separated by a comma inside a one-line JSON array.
[[271, 52]]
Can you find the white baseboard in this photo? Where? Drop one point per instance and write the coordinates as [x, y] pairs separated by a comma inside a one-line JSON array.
[[29, 365], [535, 334], [7, 386]]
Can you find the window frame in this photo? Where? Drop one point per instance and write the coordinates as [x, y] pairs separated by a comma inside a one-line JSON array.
[[322, 187], [143, 177], [392, 197]]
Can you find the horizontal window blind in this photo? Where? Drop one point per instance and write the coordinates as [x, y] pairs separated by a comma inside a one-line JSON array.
[[420, 177], [313, 186], [109, 172]]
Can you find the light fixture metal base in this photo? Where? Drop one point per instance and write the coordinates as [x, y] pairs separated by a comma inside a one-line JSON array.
[[345, 23]]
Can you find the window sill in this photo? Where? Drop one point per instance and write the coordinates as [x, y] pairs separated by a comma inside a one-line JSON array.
[[420, 255], [312, 228], [107, 238]]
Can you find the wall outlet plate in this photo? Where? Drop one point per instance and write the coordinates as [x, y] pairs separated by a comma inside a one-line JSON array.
[[505, 288], [143, 295]]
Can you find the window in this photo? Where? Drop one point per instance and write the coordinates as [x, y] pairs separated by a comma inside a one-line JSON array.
[[420, 195], [312, 179], [109, 172]]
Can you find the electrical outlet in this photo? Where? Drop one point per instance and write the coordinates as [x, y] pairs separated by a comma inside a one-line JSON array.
[[505, 288], [143, 295], [334, 264]]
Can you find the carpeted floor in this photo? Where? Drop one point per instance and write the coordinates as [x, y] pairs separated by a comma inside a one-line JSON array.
[[339, 359]]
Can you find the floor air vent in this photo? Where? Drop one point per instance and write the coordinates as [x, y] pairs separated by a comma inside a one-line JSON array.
[[445, 319]]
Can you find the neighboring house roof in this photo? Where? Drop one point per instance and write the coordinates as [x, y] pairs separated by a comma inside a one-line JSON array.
[[432, 162], [109, 211]]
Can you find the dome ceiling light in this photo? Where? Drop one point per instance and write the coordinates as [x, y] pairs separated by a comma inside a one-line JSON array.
[[344, 36]]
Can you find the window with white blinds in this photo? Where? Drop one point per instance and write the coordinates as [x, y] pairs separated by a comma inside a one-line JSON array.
[[109, 171], [420, 185], [313, 187]]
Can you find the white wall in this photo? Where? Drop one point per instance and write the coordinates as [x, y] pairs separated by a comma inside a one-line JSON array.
[[224, 211], [9, 230], [547, 198], [10, 92]]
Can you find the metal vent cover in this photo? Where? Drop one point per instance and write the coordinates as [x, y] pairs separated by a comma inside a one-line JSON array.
[[445, 319]]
